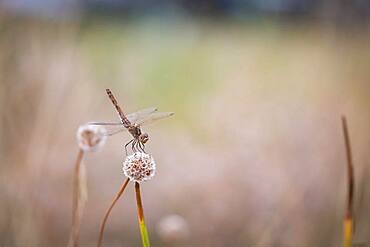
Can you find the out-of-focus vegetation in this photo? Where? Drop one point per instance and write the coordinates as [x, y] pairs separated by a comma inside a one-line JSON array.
[[253, 157]]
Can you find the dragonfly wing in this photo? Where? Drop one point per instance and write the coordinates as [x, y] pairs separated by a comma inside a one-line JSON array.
[[153, 117], [111, 132], [112, 128], [135, 116], [105, 123]]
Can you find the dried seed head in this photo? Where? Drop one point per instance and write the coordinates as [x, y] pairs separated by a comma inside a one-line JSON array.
[[91, 137], [173, 228], [139, 167]]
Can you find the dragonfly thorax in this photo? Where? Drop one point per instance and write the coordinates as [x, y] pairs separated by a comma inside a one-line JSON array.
[[135, 131]]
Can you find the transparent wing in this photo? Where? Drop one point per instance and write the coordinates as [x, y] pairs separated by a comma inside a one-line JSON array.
[[111, 132], [136, 116], [132, 117], [153, 117], [105, 123], [112, 128], [141, 117]]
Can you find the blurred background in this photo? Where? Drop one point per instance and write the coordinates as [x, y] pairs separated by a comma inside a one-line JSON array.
[[254, 155]]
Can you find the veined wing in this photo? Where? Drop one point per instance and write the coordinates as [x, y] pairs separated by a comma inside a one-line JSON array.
[[105, 123], [153, 117], [112, 128], [117, 127], [132, 117], [135, 116]]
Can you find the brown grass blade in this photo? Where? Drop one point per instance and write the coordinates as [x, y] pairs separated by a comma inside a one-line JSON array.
[[79, 199], [348, 220], [102, 227]]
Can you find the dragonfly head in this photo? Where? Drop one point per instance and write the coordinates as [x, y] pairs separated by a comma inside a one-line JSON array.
[[143, 138]]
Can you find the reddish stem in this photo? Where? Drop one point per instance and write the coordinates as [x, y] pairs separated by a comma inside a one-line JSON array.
[[120, 192], [75, 212], [351, 176]]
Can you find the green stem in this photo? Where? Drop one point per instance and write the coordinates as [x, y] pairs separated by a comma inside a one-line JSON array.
[[348, 232], [140, 214]]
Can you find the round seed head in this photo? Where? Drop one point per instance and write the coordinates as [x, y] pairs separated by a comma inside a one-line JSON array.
[[139, 167], [91, 137]]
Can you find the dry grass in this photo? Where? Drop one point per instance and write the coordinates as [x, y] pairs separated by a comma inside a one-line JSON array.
[[79, 199], [118, 196]]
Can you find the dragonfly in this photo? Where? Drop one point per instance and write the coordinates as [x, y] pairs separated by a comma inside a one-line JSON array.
[[133, 123]]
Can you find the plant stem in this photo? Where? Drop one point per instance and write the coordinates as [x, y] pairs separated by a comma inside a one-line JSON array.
[[140, 214], [347, 232], [348, 220], [120, 192], [76, 214]]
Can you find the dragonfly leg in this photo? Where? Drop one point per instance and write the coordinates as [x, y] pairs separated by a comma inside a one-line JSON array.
[[142, 147], [127, 145], [133, 146], [138, 145]]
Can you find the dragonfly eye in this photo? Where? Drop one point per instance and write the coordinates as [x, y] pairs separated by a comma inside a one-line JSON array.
[[144, 138]]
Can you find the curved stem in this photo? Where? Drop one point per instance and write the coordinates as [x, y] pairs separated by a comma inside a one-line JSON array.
[[140, 214], [348, 220], [76, 214], [350, 172], [120, 192]]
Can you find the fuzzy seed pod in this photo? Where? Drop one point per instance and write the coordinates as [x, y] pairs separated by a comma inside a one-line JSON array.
[[139, 167], [91, 137]]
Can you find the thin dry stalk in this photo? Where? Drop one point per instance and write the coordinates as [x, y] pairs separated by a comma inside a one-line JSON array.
[[79, 199], [348, 220], [102, 227], [140, 214]]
